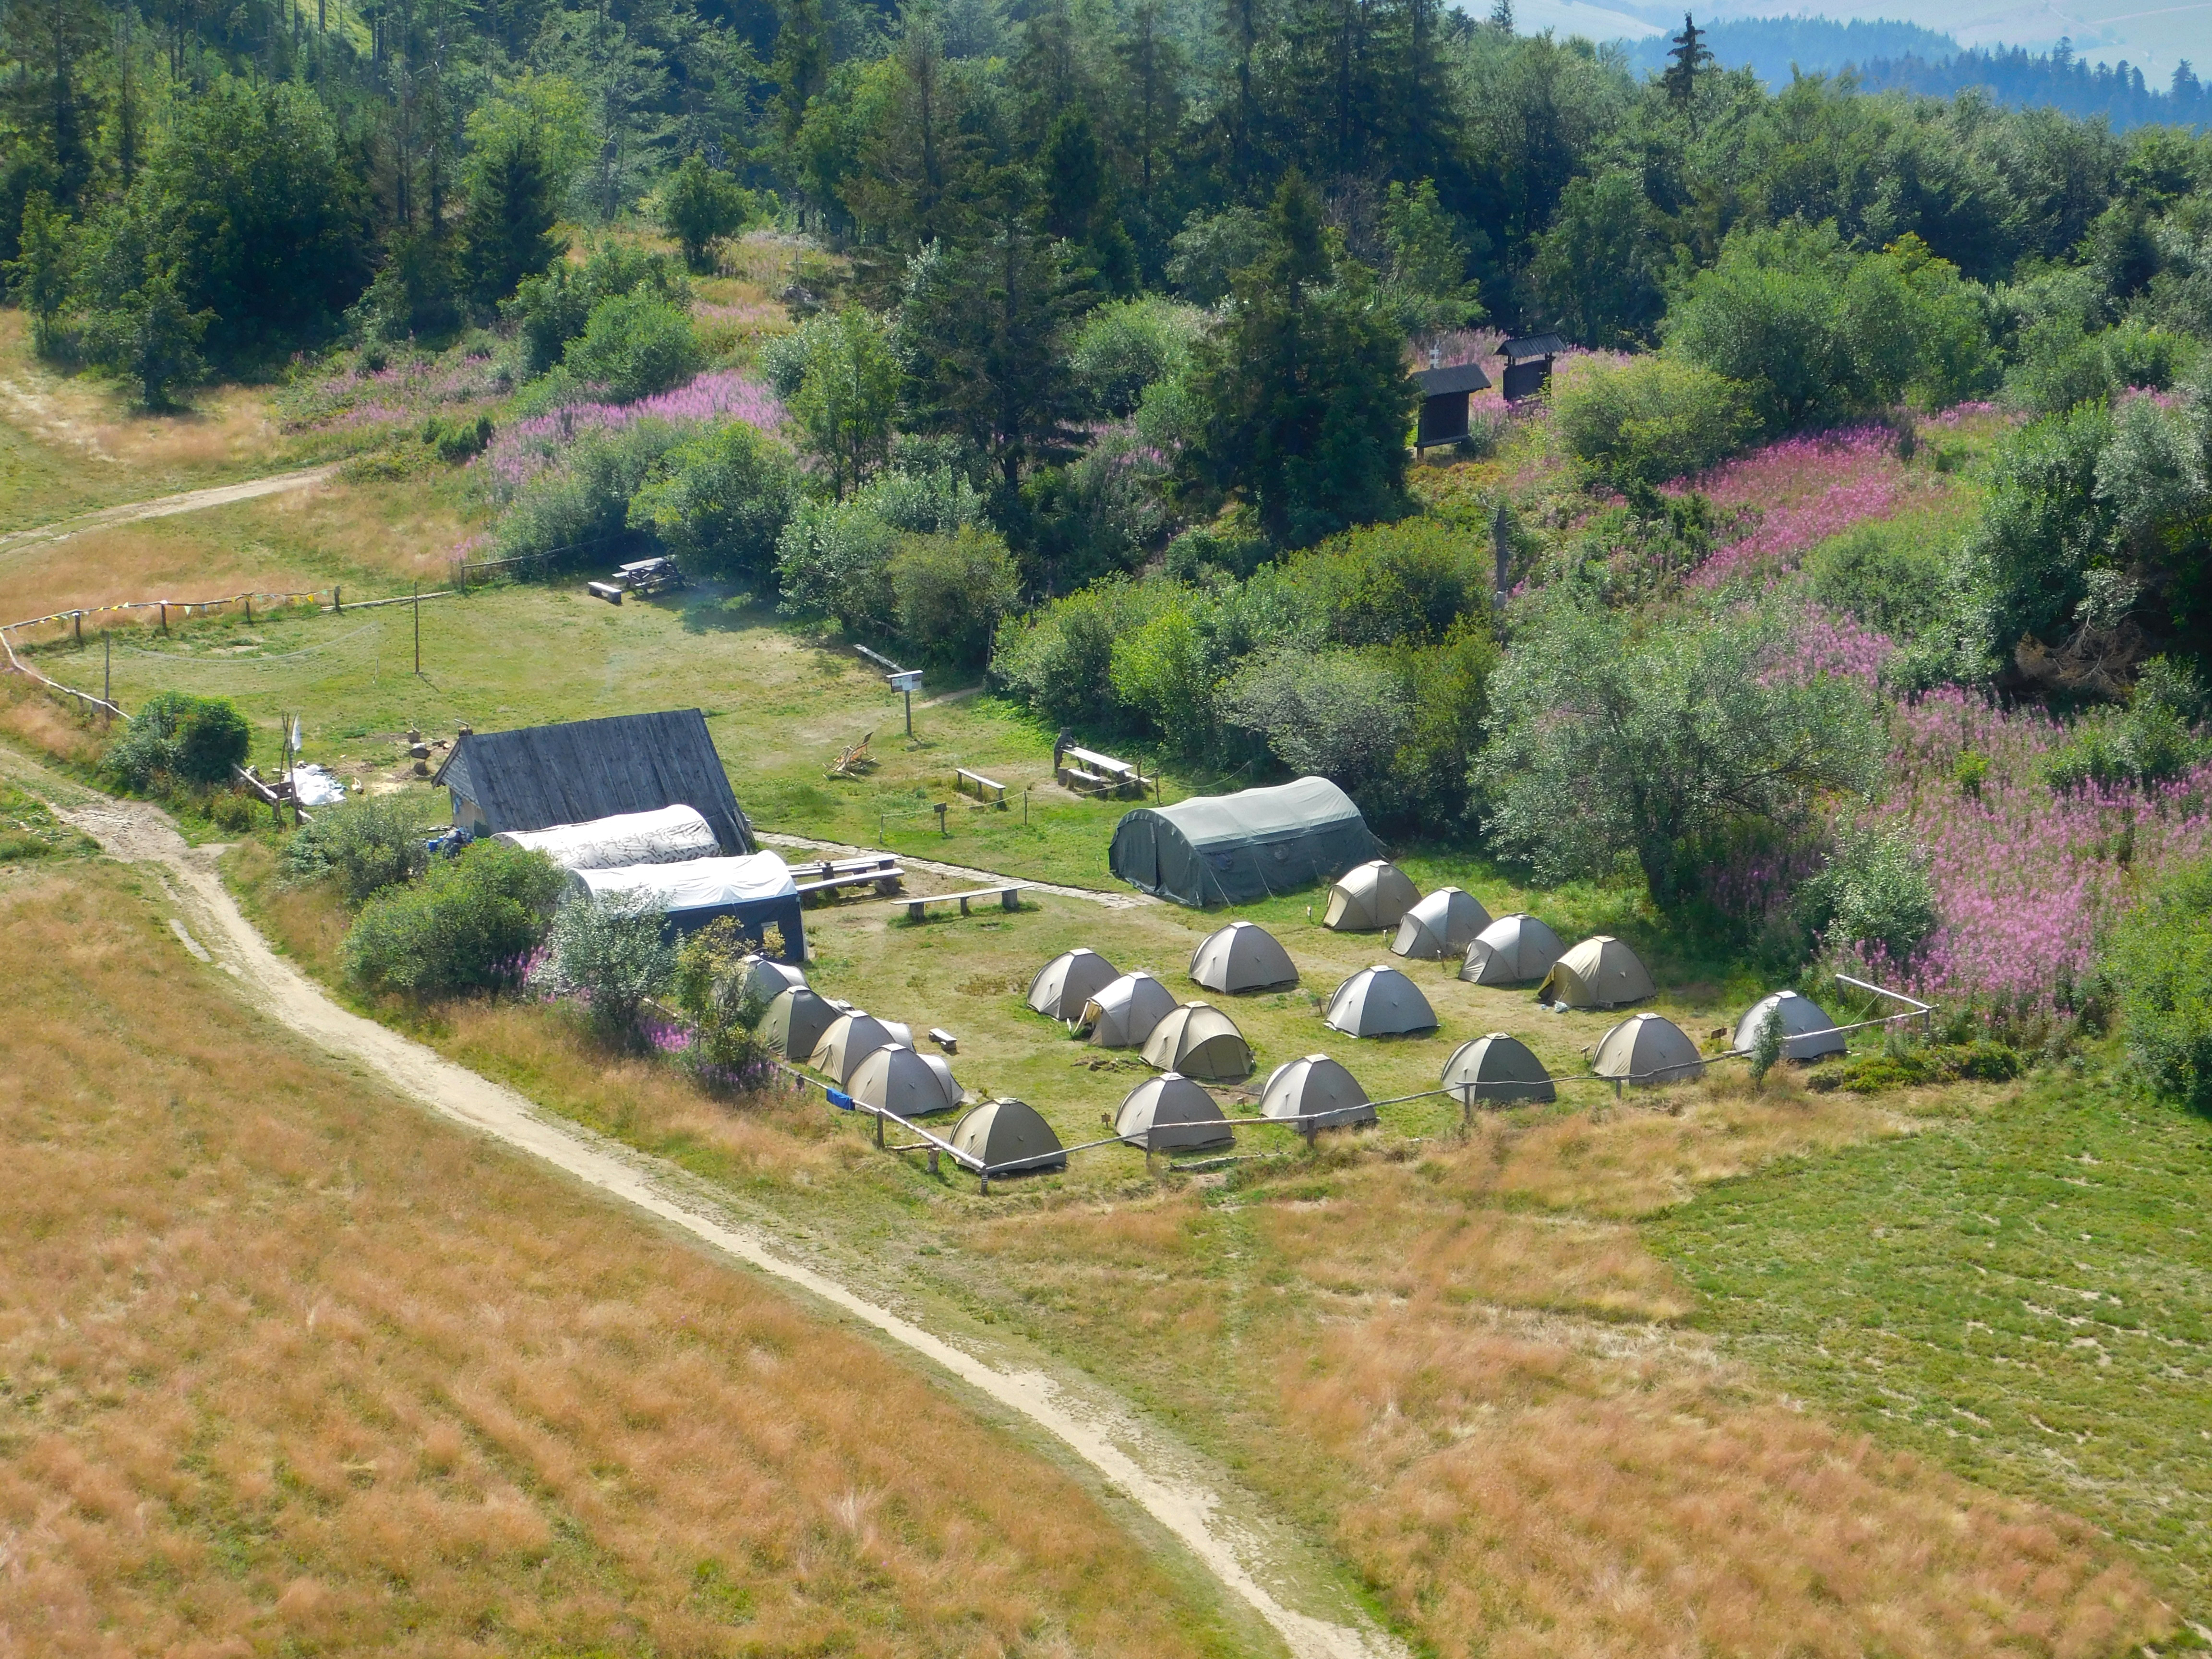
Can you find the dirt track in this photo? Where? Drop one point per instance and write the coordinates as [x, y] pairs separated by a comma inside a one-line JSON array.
[[1104, 1434], [191, 501]]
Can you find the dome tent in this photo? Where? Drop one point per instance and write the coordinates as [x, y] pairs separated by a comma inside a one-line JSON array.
[[1001, 1131], [1376, 894], [1232, 849], [795, 1021], [1497, 1070], [1121, 1015], [1647, 1048], [1315, 1087], [1808, 1033], [1199, 1040], [1442, 925], [1379, 1001], [851, 1038], [768, 979], [904, 1083], [1170, 1113], [1599, 973], [1242, 956], [1063, 985], [1512, 951]]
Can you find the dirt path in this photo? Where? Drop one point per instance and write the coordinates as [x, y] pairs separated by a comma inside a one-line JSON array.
[[161, 507], [960, 871], [1104, 1434]]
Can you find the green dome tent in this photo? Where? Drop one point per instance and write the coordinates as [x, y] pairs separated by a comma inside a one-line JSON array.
[[851, 1038], [1647, 1048], [1232, 849], [1200, 1041], [904, 1082], [1170, 1113], [1121, 1015], [1242, 956], [1512, 951], [1063, 985], [1001, 1132], [1808, 1033], [1497, 1070], [1376, 895], [1379, 1001], [1599, 973], [1315, 1086], [1444, 924], [795, 1021]]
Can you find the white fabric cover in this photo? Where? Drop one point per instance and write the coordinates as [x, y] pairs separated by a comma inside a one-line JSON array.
[[698, 885], [670, 835]]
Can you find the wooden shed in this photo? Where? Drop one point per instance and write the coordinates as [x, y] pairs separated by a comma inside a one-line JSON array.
[[1529, 364], [1444, 395]]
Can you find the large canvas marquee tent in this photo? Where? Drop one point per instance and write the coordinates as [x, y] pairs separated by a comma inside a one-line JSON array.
[[668, 835], [1232, 849], [757, 890]]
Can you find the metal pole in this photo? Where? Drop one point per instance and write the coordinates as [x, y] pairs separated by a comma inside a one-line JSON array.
[[910, 712], [107, 673], [418, 624]]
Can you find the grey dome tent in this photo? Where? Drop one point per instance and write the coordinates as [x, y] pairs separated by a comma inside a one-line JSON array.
[[795, 1021], [1242, 956], [1121, 1015], [1063, 985], [1442, 925], [1379, 1001], [1171, 1113], [1497, 1070], [900, 1081], [1599, 973], [1315, 1087], [1808, 1033], [1199, 1040], [851, 1038], [1512, 951], [1647, 1048], [1232, 849], [768, 979], [1376, 894], [1002, 1132]]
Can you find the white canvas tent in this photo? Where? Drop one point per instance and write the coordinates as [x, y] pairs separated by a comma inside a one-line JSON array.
[[1647, 1048], [1171, 1113], [1009, 1132], [1242, 956], [1512, 951], [1200, 1041], [1599, 973], [851, 1038], [1497, 1070], [1373, 895], [1379, 1001], [671, 835], [1122, 1014], [1443, 924], [899, 1080], [756, 889], [1808, 1033], [1315, 1087], [1071, 979]]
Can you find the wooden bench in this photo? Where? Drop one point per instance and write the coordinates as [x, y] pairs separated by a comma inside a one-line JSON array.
[[610, 591], [917, 905], [988, 792], [831, 875]]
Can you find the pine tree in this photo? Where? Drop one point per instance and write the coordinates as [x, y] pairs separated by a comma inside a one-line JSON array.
[[1501, 15], [1690, 55], [39, 273], [507, 229]]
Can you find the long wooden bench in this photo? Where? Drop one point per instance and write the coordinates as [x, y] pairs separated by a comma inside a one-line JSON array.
[[832, 876], [1009, 897], [989, 792]]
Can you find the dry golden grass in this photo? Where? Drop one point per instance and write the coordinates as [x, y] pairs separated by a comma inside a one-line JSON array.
[[290, 1368], [36, 717]]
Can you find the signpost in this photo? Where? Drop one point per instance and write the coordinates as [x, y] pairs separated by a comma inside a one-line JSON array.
[[907, 682]]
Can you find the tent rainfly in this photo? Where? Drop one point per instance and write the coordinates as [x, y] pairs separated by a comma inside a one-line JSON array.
[[1497, 1070], [1374, 895], [795, 1021], [1122, 1014], [768, 979], [851, 1038], [1232, 849], [1808, 1033], [1647, 1048], [1242, 956], [758, 890], [1599, 973], [670, 835], [1001, 1132], [1444, 924], [1071, 979], [898, 1080], [1170, 1114], [1379, 1001], [1199, 1040], [1512, 951], [1315, 1088]]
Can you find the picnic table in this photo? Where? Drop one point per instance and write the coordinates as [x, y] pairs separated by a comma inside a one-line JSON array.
[[1089, 773], [832, 876]]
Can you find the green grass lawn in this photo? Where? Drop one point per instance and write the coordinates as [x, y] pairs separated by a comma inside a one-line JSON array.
[[2024, 1294]]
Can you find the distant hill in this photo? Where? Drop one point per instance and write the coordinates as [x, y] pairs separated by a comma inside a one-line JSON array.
[[1817, 45]]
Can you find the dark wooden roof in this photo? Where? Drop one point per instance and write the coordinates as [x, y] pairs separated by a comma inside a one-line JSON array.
[[1459, 377], [1536, 345], [537, 776]]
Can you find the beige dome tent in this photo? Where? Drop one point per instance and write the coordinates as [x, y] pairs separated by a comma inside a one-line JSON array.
[[1497, 1070], [1315, 1088], [1242, 956], [1199, 1040], [1379, 1001], [1068, 980], [1376, 894], [851, 1038], [1171, 1113], [1599, 973], [1647, 1048], [904, 1083], [1121, 1015], [1001, 1132], [795, 1021], [1512, 951], [1808, 1033], [1442, 925], [768, 979]]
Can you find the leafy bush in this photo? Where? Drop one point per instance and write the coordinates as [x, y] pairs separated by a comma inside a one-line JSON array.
[[1165, 669], [1876, 891], [1891, 579], [580, 513], [833, 557], [700, 206], [453, 439], [847, 394], [719, 501], [1919, 1067], [1211, 248], [178, 738], [2154, 739], [1059, 660], [1337, 713], [469, 923], [366, 846], [550, 310], [1098, 514], [1651, 419], [726, 1051], [610, 955], [1409, 580], [949, 592], [2160, 959], [633, 345], [2063, 363], [1126, 346]]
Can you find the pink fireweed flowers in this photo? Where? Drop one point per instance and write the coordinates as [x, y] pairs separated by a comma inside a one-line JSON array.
[[527, 448], [1804, 489]]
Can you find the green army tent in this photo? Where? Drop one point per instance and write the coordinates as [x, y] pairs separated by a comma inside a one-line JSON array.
[[1232, 849]]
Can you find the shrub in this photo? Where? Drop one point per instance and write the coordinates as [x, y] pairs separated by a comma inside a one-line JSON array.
[[1059, 661], [366, 846], [1099, 514], [1126, 346], [1651, 419], [550, 310], [1411, 580], [581, 511], [949, 592], [1335, 714], [467, 924], [698, 206], [610, 955], [726, 1051], [2161, 960], [633, 345], [1891, 579], [1919, 1067], [178, 738], [833, 557], [1165, 669], [720, 501], [1876, 891], [2154, 739], [454, 438]]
